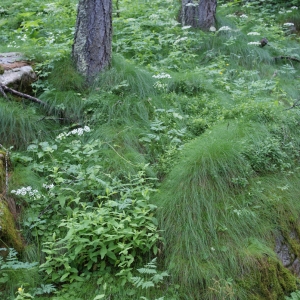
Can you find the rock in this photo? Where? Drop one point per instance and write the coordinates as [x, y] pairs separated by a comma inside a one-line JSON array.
[[283, 251], [16, 72], [286, 252]]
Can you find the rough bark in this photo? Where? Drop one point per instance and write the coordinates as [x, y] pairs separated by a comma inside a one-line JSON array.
[[198, 14], [91, 50]]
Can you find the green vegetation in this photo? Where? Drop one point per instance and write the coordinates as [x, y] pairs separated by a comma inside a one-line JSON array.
[[169, 178]]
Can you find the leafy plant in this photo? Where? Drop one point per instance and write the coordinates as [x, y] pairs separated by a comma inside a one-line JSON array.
[[14, 272], [149, 277], [116, 234], [294, 296]]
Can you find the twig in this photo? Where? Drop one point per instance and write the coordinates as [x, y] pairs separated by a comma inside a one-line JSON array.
[[295, 104], [3, 93], [52, 119], [287, 57], [5, 88]]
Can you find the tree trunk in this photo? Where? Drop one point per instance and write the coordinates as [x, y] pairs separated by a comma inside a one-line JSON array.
[[198, 14], [91, 50]]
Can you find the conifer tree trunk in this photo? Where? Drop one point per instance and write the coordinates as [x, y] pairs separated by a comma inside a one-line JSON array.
[[91, 50], [198, 14]]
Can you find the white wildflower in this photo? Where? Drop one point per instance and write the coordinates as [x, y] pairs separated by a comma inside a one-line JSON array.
[[254, 43], [288, 24], [48, 186], [86, 128], [224, 28], [74, 131], [24, 38], [289, 11], [212, 249], [253, 33], [154, 17], [185, 27], [80, 131], [26, 191], [294, 7], [212, 28], [61, 136], [180, 40], [162, 75], [243, 16]]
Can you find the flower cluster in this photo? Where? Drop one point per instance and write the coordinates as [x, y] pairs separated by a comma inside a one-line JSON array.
[[162, 75], [180, 40], [294, 7], [254, 43], [224, 28], [185, 27], [48, 186], [26, 191], [243, 16], [78, 131], [288, 24], [253, 33]]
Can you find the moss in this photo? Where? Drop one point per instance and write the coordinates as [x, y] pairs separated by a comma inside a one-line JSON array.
[[1, 70], [269, 281], [2, 170], [9, 235]]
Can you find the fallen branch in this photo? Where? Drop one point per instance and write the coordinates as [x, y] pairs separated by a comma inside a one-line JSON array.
[[295, 104], [287, 57], [4, 88], [2, 92]]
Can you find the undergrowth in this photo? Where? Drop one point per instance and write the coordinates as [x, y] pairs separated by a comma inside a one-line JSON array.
[[186, 149]]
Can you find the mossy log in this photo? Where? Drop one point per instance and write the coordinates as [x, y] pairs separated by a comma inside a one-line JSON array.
[[9, 235], [2, 170]]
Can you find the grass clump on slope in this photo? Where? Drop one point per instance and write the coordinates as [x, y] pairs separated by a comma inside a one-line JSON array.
[[210, 217]]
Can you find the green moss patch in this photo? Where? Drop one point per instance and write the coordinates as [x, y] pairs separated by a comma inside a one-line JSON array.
[[9, 235]]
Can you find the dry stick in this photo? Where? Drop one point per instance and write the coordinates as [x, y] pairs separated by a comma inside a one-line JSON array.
[[287, 57], [5, 88], [295, 104], [2, 92]]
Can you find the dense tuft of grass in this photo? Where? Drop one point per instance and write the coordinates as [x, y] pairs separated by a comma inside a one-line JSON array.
[[213, 206], [126, 78], [20, 125]]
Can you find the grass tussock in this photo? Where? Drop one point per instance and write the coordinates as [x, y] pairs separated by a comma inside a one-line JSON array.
[[19, 125], [126, 78], [215, 213]]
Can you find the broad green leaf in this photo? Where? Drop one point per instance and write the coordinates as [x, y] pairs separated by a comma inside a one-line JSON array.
[[62, 278]]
